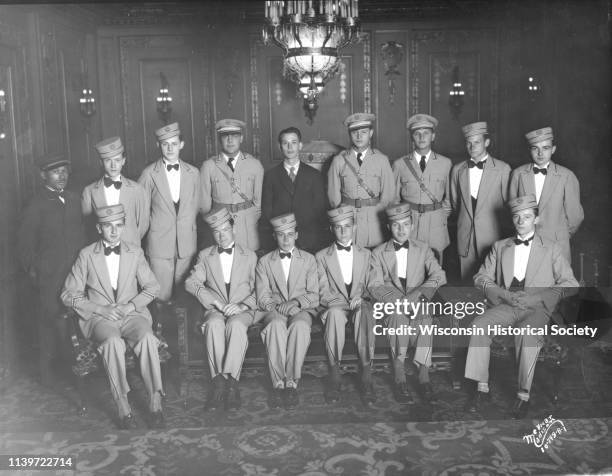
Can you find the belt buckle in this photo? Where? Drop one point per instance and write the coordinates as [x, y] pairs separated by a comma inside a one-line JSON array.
[[358, 203], [421, 208]]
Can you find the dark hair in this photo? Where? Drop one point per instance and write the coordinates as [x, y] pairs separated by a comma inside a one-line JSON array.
[[231, 221], [290, 130]]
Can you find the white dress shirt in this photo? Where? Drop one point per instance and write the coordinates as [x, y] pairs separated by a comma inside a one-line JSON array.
[[288, 168], [475, 178], [418, 156], [401, 258], [112, 264], [226, 264], [111, 194], [174, 181], [521, 257], [539, 181], [345, 260], [235, 159], [62, 199], [286, 264]]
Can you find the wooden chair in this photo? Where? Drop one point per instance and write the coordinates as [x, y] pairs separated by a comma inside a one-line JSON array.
[[86, 360]]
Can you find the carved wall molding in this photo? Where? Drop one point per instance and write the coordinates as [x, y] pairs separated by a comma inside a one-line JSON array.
[[256, 44]]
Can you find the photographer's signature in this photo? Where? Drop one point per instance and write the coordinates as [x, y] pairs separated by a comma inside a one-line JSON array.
[[545, 432]]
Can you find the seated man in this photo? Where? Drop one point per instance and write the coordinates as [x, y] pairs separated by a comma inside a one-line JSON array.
[[288, 290], [406, 271], [103, 288], [223, 280], [343, 269], [524, 277]]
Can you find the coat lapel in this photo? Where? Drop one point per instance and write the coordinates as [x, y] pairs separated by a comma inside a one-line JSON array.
[[486, 181], [161, 182], [334, 268], [279, 276], [99, 265], [389, 257], [126, 263], [508, 262], [285, 180], [535, 259], [359, 265], [464, 186], [529, 181], [214, 262], [98, 193], [550, 184], [295, 270], [238, 272], [186, 181]]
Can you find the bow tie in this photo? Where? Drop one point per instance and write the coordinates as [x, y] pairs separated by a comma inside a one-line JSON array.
[[345, 248], [109, 181], [225, 250], [518, 241], [537, 170], [112, 249], [397, 246], [472, 164], [169, 167], [285, 255]]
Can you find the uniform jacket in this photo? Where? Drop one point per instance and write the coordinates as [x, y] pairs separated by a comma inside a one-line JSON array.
[[548, 274], [490, 216], [134, 200], [170, 232], [423, 272], [559, 207], [430, 227], [88, 283], [302, 285], [376, 173], [332, 290], [305, 198], [206, 279], [248, 177]]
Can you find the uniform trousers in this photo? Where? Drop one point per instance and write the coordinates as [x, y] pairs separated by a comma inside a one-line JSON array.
[[169, 272], [399, 343], [369, 231], [137, 332], [335, 319], [527, 347], [226, 342], [286, 340]]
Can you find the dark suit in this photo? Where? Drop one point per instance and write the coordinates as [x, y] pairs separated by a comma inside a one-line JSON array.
[[305, 198]]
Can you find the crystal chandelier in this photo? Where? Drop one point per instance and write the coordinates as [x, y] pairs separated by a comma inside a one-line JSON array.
[[311, 34]]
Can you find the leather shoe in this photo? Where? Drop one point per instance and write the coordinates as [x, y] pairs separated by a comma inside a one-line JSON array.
[[291, 398], [128, 422], [332, 395], [477, 401], [403, 393], [427, 391], [217, 394], [232, 396], [158, 421], [367, 392], [276, 399], [520, 409]]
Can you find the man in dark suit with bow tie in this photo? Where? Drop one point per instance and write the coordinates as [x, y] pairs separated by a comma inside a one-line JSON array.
[[343, 273], [223, 280], [288, 291], [406, 270], [109, 287], [523, 277], [555, 187], [50, 237], [294, 187], [113, 188]]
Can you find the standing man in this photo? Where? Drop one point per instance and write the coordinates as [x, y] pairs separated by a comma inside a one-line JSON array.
[[523, 277], [50, 237], [343, 273], [406, 270], [294, 187], [113, 188], [478, 191], [288, 291], [109, 287], [223, 280], [555, 187], [362, 178], [422, 181], [173, 190], [233, 180]]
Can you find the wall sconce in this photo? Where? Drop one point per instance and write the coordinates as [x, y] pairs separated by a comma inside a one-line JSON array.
[[2, 114], [164, 100], [534, 89], [455, 100], [87, 103], [310, 87]]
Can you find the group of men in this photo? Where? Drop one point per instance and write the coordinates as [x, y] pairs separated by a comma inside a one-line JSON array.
[[385, 241]]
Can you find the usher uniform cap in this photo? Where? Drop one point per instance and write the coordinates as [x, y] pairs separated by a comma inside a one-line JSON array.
[[217, 218], [110, 213], [284, 222], [420, 121], [168, 131], [539, 135], [359, 120], [522, 203], [109, 147], [340, 214], [398, 211]]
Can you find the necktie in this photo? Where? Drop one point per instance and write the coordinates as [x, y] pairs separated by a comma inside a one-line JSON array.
[[341, 247], [292, 173], [422, 163], [479, 165], [230, 164], [285, 255], [61, 193], [169, 167], [108, 182], [359, 161], [537, 170], [225, 250], [397, 246], [518, 241], [112, 249]]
